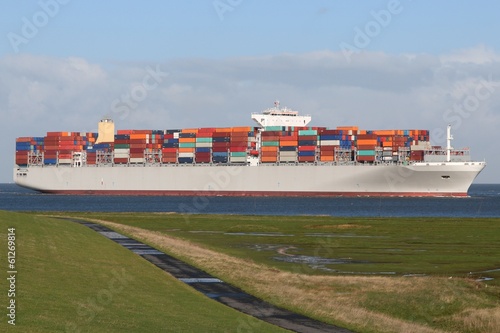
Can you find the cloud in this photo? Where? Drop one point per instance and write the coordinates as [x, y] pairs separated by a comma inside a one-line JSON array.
[[479, 55], [374, 90]]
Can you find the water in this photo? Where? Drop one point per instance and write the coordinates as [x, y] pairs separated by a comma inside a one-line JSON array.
[[484, 201]]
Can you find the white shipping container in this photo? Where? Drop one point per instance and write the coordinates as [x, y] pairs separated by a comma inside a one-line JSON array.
[[329, 143], [204, 144], [287, 159], [238, 159], [186, 154], [288, 154], [137, 160], [422, 145]]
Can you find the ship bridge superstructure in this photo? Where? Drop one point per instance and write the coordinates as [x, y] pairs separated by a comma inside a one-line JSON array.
[[280, 116]]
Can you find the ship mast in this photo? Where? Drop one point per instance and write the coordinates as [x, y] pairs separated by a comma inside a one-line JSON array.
[[449, 137]]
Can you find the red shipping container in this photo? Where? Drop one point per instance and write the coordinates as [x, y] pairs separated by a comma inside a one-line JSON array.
[[327, 153], [307, 148], [221, 134], [271, 133], [366, 147], [269, 153], [270, 138], [308, 137], [307, 158], [365, 158], [220, 149], [221, 144], [239, 135], [202, 159], [238, 148]]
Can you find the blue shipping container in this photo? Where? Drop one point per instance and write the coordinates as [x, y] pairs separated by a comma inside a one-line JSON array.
[[306, 153]]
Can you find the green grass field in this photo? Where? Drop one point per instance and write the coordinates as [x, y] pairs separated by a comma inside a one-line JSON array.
[[395, 246], [368, 291], [71, 279]]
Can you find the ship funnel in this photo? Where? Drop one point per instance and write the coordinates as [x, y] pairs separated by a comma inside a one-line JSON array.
[[106, 131]]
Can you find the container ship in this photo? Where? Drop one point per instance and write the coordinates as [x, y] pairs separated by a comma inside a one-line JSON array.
[[280, 156]]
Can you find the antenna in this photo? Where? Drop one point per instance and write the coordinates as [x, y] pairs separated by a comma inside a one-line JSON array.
[[449, 137]]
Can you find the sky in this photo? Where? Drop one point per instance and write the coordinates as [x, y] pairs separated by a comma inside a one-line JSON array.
[[397, 64]]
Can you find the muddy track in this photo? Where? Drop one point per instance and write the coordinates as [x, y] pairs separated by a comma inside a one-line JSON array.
[[215, 288]]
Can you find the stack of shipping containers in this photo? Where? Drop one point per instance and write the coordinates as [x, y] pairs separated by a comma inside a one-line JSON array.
[[329, 142], [308, 141], [228, 145], [365, 146], [170, 146], [288, 146], [270, 141], [239, 144], [187, 145], [203, 145], [25, 145], [221, 143]]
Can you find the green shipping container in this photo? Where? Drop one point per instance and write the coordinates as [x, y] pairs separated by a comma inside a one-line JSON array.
[[187, 144], [122, 146], [238, 154], [366, 152], [273, 128], [270, 143], [308, 132], [205, 140]]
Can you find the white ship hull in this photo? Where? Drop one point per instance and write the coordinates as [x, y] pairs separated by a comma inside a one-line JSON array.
[[418, 179]]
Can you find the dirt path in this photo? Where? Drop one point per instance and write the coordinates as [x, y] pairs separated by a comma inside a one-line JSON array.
[[215, 288]]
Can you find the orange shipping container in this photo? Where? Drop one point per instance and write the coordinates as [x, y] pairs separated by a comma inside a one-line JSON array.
[[347, 128], [288, 143], [326, 158], [268, 159], [367, 142], [189, 130], [387, 144], [186, 150], [385, 132], [269, 153], [140, 136], [24, 139], [241, 129], [187, 140], [269, 148]]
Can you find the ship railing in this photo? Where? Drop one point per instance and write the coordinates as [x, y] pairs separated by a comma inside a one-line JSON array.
[[35, 158]]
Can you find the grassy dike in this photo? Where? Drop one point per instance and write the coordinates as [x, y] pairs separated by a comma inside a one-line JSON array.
[[71, 279], [446, 299]]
